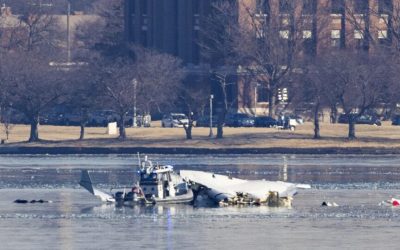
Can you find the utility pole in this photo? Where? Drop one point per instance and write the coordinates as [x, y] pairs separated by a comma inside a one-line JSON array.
[[134, 82], [211, 110], [68, 34]]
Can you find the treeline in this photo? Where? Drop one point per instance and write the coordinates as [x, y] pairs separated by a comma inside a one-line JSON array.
[[355, 72], [105, 72]]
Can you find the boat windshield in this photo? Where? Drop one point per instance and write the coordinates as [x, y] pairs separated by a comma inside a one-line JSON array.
[[148, 177]]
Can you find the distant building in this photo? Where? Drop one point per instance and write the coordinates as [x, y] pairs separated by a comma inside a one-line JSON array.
[[13, 28], [175, 27]]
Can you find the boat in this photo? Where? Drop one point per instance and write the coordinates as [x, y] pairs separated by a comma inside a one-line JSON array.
[[157, 184]]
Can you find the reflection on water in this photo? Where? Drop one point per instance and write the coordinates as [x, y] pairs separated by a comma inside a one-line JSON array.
[[120, 170]]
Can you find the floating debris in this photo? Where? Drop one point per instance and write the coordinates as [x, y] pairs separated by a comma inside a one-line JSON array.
[[32, 201], [329, 204], [393, 202]]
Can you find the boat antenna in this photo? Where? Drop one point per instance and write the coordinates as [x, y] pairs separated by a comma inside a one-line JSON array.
[[138, 156]]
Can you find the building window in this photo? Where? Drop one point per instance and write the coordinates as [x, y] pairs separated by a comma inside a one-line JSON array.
[[360, 19], [284, 34], [382, 34], [384, 19], [335, 38], [307, 34], [196, 22], [285, 20], [337, 7], [145, 22], [358, 35], [260, 32]]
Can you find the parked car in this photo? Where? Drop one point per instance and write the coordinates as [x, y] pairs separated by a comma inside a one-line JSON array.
[[204, 121], [174, 120], [51, 119], [13, 116], [363, 119], [103, 117], [287, 122], [69, 119], [240, 120], [265, 121], [396, 120]]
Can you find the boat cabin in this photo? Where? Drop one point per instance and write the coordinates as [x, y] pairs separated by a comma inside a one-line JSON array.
[[156, 182]]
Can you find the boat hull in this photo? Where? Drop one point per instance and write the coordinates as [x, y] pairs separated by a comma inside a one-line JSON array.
[[179, 199]]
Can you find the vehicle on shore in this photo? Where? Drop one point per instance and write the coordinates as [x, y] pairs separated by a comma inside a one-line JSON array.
[[265, 121], [239, 120], [174, 120], [363, 119], [396, 120], [287, 122], [103, 117], [157, 184], [204, 121]]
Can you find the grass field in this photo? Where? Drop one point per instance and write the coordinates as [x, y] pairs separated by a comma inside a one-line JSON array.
[[333, 135]]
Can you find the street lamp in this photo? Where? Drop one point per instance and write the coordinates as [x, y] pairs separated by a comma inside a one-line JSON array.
[[68, 33], [255, 101], [255, 98], [211, 131], [134, 82]]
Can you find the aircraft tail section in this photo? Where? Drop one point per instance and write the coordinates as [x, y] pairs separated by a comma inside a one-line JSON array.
[[86, 183]]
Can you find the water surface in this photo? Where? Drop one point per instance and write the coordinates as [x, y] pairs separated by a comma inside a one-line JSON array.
[[76, 220]]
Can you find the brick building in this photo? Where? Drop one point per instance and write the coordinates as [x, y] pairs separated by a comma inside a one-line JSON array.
[[174, 27]]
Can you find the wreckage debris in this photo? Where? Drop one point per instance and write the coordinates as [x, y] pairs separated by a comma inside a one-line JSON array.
[[393, 202], [272, 200], [21, 201], [329, 204]]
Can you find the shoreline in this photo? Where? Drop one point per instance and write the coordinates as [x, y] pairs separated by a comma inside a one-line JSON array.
[[378, 140], [10, 150]]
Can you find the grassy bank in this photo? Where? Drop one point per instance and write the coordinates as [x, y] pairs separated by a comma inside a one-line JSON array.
[[333, 136]]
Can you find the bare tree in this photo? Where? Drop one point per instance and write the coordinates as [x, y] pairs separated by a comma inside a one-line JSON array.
[[30, 42], [357, 80], [5, 119], [221, 78], [32, 85], [82, 94], [34, 30], [220, 32], [311, 90], [150, 79], [193, 97]]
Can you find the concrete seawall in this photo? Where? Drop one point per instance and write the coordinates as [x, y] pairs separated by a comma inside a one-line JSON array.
[[189, 150]]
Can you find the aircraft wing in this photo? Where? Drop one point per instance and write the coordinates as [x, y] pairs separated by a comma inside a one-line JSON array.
[[86, 183], [222, 186]]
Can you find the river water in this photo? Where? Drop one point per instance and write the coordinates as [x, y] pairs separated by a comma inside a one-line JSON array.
[[76, 220]]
